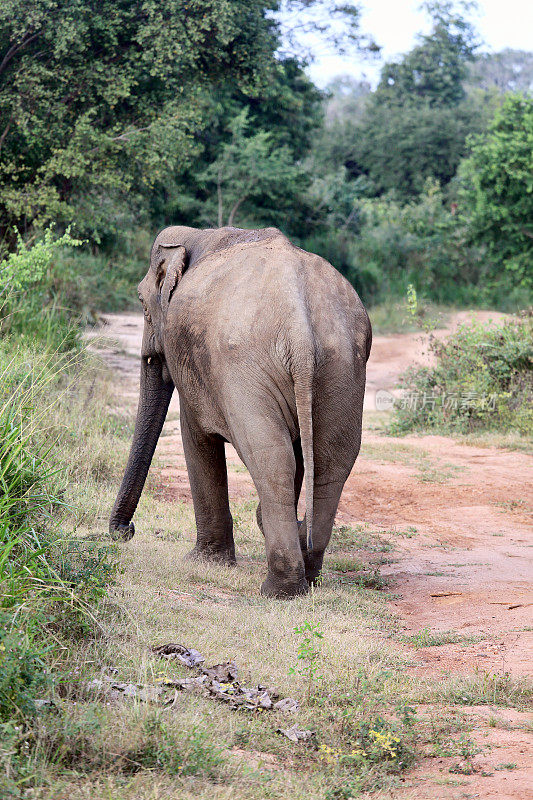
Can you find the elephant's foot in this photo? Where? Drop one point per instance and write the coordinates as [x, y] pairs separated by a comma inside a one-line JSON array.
[[283, 590], [313, 566], [285, 577], [122, 533], [209, 552]]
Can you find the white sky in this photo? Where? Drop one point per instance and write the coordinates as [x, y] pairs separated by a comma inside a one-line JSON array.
[[395, 23]]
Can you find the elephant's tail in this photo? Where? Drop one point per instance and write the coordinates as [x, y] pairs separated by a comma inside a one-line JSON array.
[[303, 393]]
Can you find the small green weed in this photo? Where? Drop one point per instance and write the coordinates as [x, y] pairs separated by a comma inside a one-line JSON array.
[[488, 688], [370, 742], [308, 654], [425, 638], [346, 537], [347, 570], [164, 751]]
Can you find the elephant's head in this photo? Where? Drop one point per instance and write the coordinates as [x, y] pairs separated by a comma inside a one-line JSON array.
[[167, 264]]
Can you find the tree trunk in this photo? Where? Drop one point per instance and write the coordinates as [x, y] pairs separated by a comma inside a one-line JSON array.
[[219, 198], [235, 208]]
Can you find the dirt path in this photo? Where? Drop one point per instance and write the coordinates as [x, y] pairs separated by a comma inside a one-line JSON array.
[[459, 517]]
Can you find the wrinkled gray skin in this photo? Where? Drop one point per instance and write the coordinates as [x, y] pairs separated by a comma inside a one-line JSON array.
[[267, 346]]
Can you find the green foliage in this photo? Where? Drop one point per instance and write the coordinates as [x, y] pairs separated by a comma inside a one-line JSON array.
[[420, 242], [30, 491], [497, 190], [482, 380], [425, 638], [372, 744], [308, 653], [29, 302], [274, 121], [23, 673], [415, 124], [28, 264], [162, 750], [400, 146], [251, 176], [122, 117], [435, 69], [100, 100], [48, 582]]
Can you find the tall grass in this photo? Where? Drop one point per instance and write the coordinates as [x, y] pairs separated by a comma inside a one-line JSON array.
[[30, 487], [50, 583]]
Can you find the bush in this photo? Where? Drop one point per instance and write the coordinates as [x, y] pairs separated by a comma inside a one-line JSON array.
[[29, 307], [49, 581], [23, 674], [496, 192], [419, 242], [482, 380], [162, 750], [30, 489]]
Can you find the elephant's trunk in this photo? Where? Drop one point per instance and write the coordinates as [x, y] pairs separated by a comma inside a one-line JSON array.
[[154, 399]]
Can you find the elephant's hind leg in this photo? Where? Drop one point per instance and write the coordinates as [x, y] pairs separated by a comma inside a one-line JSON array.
[[298, 480], [208, 477], [267, 451]]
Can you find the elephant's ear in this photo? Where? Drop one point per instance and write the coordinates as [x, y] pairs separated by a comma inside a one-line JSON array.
[[171, 266]]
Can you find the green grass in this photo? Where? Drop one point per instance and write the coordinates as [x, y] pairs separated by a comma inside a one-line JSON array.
[[360, 537], [393, 316], [426, 638], [427, 469]]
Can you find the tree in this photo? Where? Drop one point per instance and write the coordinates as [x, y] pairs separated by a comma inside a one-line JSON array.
[[400, 147], [249, 174], [334, 24], [507, 71], [496, 191], [415, 124], [434, 71], [103, 99]]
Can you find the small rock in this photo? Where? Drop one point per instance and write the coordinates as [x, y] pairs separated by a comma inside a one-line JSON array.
[[296, 734], [188, 656], [287, 704]]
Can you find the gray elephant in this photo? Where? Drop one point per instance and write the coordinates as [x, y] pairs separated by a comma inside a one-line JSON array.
[[267, 346]]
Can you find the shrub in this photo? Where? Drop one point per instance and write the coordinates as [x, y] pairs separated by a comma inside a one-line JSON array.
[[48, 580], [29, 491], [23, 674], [482, 379], [28, 305]]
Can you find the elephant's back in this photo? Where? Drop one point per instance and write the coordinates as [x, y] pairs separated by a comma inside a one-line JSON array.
[[262, 299]]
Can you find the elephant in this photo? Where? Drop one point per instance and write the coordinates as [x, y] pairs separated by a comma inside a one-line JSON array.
[[267, 347]]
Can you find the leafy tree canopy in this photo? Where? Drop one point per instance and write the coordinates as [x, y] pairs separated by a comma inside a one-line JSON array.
[[100, 97], [497, 189], [433, 72], [104, 105], [414, 126]]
